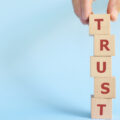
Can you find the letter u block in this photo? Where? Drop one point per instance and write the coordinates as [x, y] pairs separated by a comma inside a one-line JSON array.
[[101, 66], [101, 108], [104, 87], [104, 45], [99, 24]]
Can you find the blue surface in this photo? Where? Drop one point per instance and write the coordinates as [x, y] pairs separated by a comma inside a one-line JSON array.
[[45, 61]]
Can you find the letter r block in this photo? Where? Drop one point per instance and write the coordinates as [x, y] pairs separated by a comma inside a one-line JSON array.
[[104, 87], [101, 66], [104, 45], [101, 108], [99, 24]]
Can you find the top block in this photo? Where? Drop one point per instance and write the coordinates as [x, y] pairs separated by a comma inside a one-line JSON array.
[[99, 24]]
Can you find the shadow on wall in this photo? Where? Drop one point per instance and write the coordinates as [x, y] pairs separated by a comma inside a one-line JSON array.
[[69, 110], [60, 106], [74, 112]]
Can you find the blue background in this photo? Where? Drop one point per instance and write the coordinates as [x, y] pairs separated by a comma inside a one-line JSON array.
[[45, 61]]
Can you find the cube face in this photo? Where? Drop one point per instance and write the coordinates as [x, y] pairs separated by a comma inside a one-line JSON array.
[[99, 24], [101, 66], [101, 108], [104, 87], [104, 45]]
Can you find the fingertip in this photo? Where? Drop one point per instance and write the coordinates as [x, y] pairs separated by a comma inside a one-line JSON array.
[[112, 10], [85, 15], [114, 15], [86, 10], [85, 22], [86, 19]]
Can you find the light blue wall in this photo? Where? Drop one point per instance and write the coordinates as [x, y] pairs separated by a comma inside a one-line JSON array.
[[45, 61]]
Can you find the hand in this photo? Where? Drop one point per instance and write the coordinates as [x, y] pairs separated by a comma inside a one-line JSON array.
[[83, 8]]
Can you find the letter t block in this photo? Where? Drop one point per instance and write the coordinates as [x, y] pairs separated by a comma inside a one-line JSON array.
[[99, 24], [101, 108]]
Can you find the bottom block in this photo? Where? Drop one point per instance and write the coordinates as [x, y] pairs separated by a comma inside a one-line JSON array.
[[101, 108]]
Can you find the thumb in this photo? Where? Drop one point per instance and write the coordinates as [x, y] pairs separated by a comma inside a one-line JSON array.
[[112, 9]]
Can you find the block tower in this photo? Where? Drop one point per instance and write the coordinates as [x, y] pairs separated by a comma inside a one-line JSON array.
[[101, 66]]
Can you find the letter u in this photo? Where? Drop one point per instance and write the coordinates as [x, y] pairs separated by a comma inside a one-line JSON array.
[[103, 68]]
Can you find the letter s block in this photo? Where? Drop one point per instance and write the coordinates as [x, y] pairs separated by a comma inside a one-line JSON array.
[[104, 87], [101, 108], [101, 66], [99, 24], [104, 45]]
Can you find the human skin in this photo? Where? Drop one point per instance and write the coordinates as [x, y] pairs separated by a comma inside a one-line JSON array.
[[83, 8]]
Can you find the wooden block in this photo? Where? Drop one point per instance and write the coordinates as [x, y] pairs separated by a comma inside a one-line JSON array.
[[101, 66], [104, 87], [104, 45], [99, 24], [101, 108]]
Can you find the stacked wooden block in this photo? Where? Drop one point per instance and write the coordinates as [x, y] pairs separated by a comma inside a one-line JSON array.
[[101, 66]]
